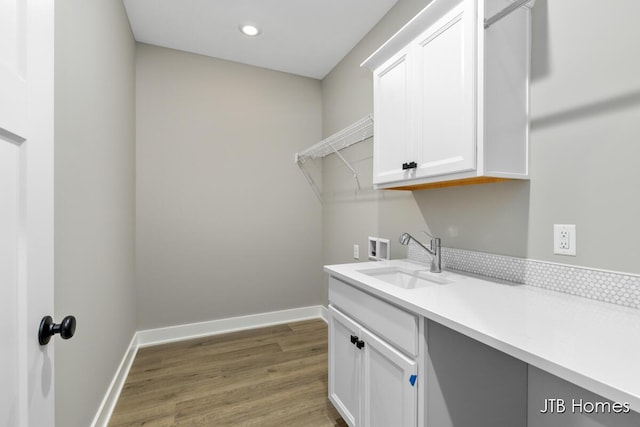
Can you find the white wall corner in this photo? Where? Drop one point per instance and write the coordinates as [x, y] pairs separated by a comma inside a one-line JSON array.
[[110, 399], [324, 313]]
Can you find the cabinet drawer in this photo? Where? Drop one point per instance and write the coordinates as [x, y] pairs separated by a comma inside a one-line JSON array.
[[390, 322]]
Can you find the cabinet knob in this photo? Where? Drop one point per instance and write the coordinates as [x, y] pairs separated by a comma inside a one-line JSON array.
[[410, 165], [360, 344], [354, 339]]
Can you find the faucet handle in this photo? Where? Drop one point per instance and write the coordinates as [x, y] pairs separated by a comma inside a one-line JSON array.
[[435, 243], [434, 240]]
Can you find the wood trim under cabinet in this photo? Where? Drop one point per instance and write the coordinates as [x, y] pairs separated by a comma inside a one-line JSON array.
[[454, 183]]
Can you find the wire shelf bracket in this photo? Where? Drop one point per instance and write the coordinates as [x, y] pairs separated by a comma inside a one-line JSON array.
[[352, 134], [506, 11]]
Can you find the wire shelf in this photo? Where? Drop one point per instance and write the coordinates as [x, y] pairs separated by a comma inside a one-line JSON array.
[[352, 134]]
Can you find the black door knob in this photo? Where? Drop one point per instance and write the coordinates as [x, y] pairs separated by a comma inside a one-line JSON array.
[[66, 329]]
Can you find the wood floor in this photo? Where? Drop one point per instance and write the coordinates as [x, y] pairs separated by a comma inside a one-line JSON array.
[[275, 376]]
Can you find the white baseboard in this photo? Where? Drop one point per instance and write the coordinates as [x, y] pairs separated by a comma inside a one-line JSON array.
[[151, 337], [110, 399], [324, 313]]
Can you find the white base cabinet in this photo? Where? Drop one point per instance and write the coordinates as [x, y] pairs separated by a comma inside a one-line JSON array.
[[371, 383]]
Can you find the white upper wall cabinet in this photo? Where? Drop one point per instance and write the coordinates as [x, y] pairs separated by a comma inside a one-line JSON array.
[[451, 103]]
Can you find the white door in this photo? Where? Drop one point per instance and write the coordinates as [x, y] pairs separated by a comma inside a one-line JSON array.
[[26, 211], [390, 388]]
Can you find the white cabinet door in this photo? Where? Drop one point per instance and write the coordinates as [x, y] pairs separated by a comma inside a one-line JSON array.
[[392, 144], [445, 59], [370, 384], [390, 385], [344, 367]]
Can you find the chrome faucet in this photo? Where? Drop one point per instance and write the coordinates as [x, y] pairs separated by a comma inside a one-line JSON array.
[[434, 251]]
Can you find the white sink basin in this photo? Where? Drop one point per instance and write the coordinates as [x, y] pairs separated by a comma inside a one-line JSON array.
[[406, 279]]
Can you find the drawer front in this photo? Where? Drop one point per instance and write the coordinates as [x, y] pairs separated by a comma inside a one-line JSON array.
[[388, 321]]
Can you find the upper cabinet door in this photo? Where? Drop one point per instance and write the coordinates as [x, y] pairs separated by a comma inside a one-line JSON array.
[[446, 117], [392, 127]]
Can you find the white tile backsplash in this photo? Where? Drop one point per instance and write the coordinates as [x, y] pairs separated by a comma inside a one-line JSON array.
[[617, 288]]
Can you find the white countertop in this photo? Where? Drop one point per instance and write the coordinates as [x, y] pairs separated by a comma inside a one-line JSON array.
[[592, 344]]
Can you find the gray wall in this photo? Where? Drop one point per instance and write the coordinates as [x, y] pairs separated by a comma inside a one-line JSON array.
[[226, 222], [469, 384], [585, 100], [94, 200]]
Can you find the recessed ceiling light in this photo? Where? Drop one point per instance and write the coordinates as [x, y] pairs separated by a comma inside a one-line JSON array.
[[249, 30]]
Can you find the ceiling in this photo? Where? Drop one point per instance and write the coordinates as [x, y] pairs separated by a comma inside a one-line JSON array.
[[304, 37]]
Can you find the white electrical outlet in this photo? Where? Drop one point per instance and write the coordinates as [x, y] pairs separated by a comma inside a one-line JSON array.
[[356, 251], [564, 239]]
